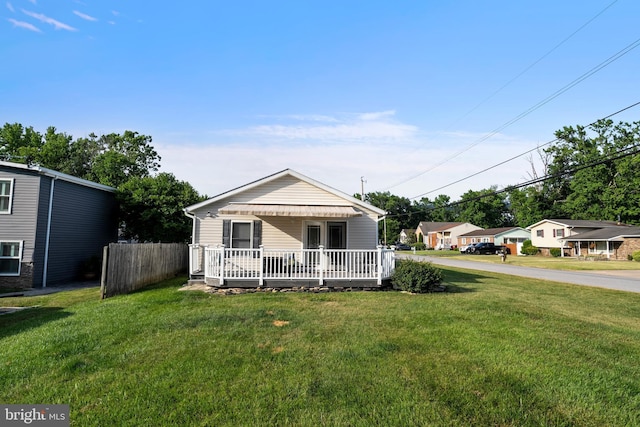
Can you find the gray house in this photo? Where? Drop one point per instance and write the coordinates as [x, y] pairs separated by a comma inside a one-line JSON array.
[[50, 223]]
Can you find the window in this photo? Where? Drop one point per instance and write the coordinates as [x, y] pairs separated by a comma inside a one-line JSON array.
[[10, 256], [241, 235], [6, 195], [464, 241], [540, 233], [558, 232], [600, 248]]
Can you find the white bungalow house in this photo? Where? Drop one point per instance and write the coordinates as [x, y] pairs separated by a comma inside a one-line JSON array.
[[286, 230]]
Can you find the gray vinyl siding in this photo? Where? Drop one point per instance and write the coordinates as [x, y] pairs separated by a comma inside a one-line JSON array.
[[41, 230], [83, 221], [20, 224]]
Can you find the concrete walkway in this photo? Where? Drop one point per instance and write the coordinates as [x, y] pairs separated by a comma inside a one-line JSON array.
[[629, 282]]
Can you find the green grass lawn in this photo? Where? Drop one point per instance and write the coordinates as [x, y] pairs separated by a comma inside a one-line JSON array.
[[540, 261], [495, 350]]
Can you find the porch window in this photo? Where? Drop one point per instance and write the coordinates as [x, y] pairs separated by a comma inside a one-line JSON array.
[[600, 248], [241, 235], [10, 257], [6, 195]]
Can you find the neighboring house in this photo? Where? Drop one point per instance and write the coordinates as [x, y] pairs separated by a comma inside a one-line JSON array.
[[50, 223], [551, 233], [286, 230], [617, 242], [511, 237], [406, 235], [442, 235]]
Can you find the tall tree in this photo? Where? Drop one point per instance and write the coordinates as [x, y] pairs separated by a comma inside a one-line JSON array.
[[151, 208], [595, 171], [485, 208]]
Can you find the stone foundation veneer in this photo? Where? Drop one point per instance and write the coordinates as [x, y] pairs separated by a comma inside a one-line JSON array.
[[24, 281]]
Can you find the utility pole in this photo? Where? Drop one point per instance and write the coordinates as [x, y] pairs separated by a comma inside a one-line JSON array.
[[362, 181]]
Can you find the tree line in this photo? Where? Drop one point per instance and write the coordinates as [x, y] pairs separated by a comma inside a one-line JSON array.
[[150, 203], [588, 172]]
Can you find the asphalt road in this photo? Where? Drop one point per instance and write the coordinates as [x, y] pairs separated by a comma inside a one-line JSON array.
[[599, 280]]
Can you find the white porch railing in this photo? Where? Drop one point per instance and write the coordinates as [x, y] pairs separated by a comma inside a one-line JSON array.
[[291, 264]]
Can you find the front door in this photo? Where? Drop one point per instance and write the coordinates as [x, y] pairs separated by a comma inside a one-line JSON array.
[[336, 235]]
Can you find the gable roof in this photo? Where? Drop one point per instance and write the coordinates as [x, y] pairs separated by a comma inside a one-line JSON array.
[[427, 227], [58, 175], [277, 175], [606, 233], [572, 223], [489, 231]]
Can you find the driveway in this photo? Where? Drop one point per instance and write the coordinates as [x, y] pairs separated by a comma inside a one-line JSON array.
[[627, 281]]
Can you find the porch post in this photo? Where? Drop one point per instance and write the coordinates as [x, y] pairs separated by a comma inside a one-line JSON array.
[[261, 278], [608, 251], [379, 262], [222, 261], [321, 264]]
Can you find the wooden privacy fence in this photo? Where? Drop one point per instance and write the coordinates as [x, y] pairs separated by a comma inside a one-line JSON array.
[[127, 267]]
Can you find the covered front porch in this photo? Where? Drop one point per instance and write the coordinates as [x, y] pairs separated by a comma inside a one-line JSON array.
[[266, 267]]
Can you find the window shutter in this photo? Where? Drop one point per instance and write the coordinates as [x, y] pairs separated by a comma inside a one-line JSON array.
[[257, 234], [226, 233], [554, 232]]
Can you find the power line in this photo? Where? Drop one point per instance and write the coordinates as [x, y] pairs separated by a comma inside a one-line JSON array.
[[517, 156], [620, 154], [566, 39], [530, 110]]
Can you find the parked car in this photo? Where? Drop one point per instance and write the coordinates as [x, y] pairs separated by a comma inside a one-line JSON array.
[[402, 247], [463, 248], [469, 248], [487, 248]]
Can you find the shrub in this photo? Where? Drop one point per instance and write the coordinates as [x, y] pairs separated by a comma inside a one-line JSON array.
[[555, 252], [636, 256], [414, 276], [420, 246], [528, 248]]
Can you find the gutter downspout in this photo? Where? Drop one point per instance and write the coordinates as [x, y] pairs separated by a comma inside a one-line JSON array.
[[384, 224], [193, 227], [45, 264]]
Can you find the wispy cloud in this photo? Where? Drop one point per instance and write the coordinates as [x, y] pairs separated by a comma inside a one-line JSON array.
[[377, 115], [366, 126], [25, 25], [84, 16], [32, 1], [43, 18], [10, 7]]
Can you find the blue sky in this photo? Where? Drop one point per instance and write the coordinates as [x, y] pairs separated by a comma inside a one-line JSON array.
[[337, 90]]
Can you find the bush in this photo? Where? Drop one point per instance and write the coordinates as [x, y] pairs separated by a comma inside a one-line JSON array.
[[636, 256], [528, 248], [420, 246], [555, 252], [414, 276]]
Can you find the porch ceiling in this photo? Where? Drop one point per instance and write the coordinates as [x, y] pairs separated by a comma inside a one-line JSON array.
[[290, 210]]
